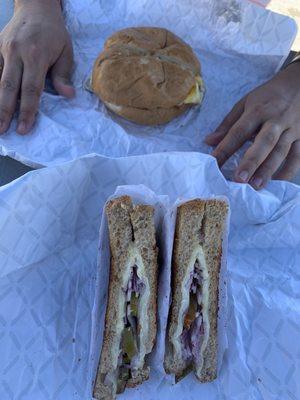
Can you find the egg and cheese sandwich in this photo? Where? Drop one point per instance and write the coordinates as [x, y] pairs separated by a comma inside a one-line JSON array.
[[147, 75]]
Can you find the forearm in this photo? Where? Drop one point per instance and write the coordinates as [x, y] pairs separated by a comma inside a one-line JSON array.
[[293, 71], [37, 4]]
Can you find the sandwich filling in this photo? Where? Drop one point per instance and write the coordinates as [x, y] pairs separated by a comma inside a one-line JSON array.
[[193, 328], [193, 324], [196, 94], [134, 333]]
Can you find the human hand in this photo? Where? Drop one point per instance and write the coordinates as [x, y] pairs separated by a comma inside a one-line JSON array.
[[271, 115], [34, 41]]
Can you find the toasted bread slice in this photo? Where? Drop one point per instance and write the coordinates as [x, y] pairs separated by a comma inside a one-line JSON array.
[[132, 245], [192, 344]]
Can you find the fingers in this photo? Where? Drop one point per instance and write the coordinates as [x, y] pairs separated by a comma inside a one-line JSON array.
[[9, 89], [33, 81], [274, 160], [292, 163], [61, 73], [214, 138], [264, 143], [237, 135]]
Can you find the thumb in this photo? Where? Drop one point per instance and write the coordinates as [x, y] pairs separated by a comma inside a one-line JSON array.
[[61, 73]]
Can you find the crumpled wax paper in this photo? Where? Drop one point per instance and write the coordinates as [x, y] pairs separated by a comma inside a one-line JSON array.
[[240, 45], [50, 220]]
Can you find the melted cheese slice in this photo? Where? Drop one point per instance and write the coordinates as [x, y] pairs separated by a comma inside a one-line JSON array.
[[135, 258], [113, 107], [197, 92], [195, 96], [198, 254]]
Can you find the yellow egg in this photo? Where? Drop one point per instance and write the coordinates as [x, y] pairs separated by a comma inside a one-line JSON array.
[[196, 94]]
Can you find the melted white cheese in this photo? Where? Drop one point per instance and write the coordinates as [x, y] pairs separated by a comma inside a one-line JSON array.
[[205, 307], [143, 304], [135, 258], [196, 94], [198, 254], [113, 107]]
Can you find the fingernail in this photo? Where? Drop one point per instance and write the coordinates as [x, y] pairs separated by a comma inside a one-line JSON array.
[[21, 128], [257, 182], [244, 175]]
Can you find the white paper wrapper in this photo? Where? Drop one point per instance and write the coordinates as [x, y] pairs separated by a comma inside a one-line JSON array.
[[49, 237], [240, 45]]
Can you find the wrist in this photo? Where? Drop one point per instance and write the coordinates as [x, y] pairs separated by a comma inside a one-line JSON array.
[[293, 72], [294, 65], [50, 4]]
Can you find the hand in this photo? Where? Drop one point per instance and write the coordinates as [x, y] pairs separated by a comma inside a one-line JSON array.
[[271, 115], [34, 41]]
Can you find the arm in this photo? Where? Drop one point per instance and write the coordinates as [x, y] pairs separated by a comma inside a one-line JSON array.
[[32, 43], [271, 115]]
